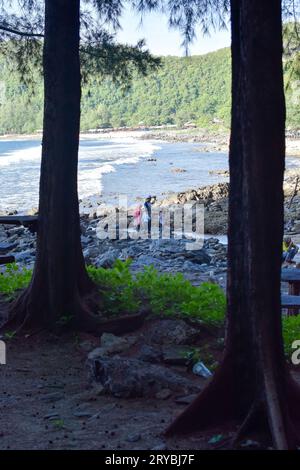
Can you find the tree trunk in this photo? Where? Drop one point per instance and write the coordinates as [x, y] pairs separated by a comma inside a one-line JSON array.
[[60, 282], [252, 385]]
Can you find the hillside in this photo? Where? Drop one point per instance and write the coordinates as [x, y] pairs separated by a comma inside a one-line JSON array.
[[184, 89]]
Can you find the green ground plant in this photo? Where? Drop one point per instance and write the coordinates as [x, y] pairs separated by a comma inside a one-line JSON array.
[[165, 294]]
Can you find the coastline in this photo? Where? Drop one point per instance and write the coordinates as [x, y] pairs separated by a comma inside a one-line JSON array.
[[209, 140]]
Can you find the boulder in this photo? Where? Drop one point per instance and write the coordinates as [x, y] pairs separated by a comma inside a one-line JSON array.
[[129, 378], [116, 344], [169, 331]]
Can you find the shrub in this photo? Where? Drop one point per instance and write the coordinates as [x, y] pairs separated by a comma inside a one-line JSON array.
[[290, 332], [13, 279], [117, 288]]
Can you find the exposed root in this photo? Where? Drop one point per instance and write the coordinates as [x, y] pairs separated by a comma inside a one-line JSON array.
[[216, 406]]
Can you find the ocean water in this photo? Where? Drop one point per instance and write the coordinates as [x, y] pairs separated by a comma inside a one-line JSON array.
[[109, 168]]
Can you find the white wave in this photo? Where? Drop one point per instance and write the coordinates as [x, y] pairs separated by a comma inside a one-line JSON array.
[[32, 154], [95, 160]]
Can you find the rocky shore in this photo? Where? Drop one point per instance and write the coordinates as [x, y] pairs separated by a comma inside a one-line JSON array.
[[214, 140], [169, 256]]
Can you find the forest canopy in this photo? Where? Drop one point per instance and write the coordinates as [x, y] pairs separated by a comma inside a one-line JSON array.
[[182, 90]]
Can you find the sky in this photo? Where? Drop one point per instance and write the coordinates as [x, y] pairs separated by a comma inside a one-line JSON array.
[[163, 41]]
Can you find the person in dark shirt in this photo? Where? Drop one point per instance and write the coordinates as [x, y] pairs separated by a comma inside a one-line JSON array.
[[147, 206]]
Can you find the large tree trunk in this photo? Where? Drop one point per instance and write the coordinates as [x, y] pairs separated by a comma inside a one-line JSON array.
[[252, 385], [60, 282]]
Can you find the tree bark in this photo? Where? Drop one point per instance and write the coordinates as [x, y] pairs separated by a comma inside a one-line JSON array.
[[60, 282], [252, 385]]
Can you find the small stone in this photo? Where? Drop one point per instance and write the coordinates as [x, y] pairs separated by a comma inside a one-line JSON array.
[[186, 400], [160, 447], [135, 437], [51, 416], [52, 397], [83, 414], [163, 394], [86, 346]]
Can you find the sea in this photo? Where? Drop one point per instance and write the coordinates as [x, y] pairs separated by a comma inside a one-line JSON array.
[[110, 167]]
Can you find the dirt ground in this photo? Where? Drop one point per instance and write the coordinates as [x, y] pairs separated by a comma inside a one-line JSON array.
[[47, 403]]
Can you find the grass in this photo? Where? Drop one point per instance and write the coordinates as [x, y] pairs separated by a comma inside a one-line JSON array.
[[166, 294]]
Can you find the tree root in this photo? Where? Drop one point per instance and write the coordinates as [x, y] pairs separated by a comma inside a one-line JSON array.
[[24, 315], [216, 406]]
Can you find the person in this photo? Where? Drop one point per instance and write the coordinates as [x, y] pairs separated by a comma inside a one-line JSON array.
[[289, 250], [137, 216], [147, 206]]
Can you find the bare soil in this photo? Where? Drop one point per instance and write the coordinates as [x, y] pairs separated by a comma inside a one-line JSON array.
[[47, 402]]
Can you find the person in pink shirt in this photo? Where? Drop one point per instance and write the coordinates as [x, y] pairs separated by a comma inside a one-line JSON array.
[[137, 216]]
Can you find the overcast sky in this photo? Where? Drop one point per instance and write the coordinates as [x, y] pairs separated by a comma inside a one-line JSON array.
[[163, 41]]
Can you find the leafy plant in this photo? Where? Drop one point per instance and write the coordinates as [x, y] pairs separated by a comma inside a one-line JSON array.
[[117, 288], [290, 332], [13, 279]]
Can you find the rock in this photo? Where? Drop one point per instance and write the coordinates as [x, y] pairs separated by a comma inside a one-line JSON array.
[[163, 394], [98, 389], [6, 247], [250, 444], [172, 332], [167, 246], [24, 255], [108, 259], [86, 346], [33, 211], [82, 414], [51, 416], [149, 354], [116, 344], [129, 378], [160, 447], [178, 170], [52, 397], [134, 437], [175, 355], [186, 400], [97, 353]]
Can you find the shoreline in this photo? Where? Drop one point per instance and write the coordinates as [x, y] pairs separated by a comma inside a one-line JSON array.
[[210, 140]]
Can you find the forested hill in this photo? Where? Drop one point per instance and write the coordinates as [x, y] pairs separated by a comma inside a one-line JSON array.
[[184, 89]]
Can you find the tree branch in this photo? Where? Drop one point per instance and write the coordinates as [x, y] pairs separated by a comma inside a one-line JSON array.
[[20, 33]]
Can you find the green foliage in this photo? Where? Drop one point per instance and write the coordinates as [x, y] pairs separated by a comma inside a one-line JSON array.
[[13, 279], [291, 332], [166, 294], [174, 295], [117, 288], [183, 89]]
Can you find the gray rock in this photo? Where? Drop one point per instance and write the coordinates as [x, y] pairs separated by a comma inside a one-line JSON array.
[[97, 353], [82, 414], [149, 354], [107, 259], [6, 247], [52, 397], [186, 400], [116, 344], [163, 394], [161, 446], [198, 256], [134, 437], [172, 332], [175, 355], [126, 378]]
